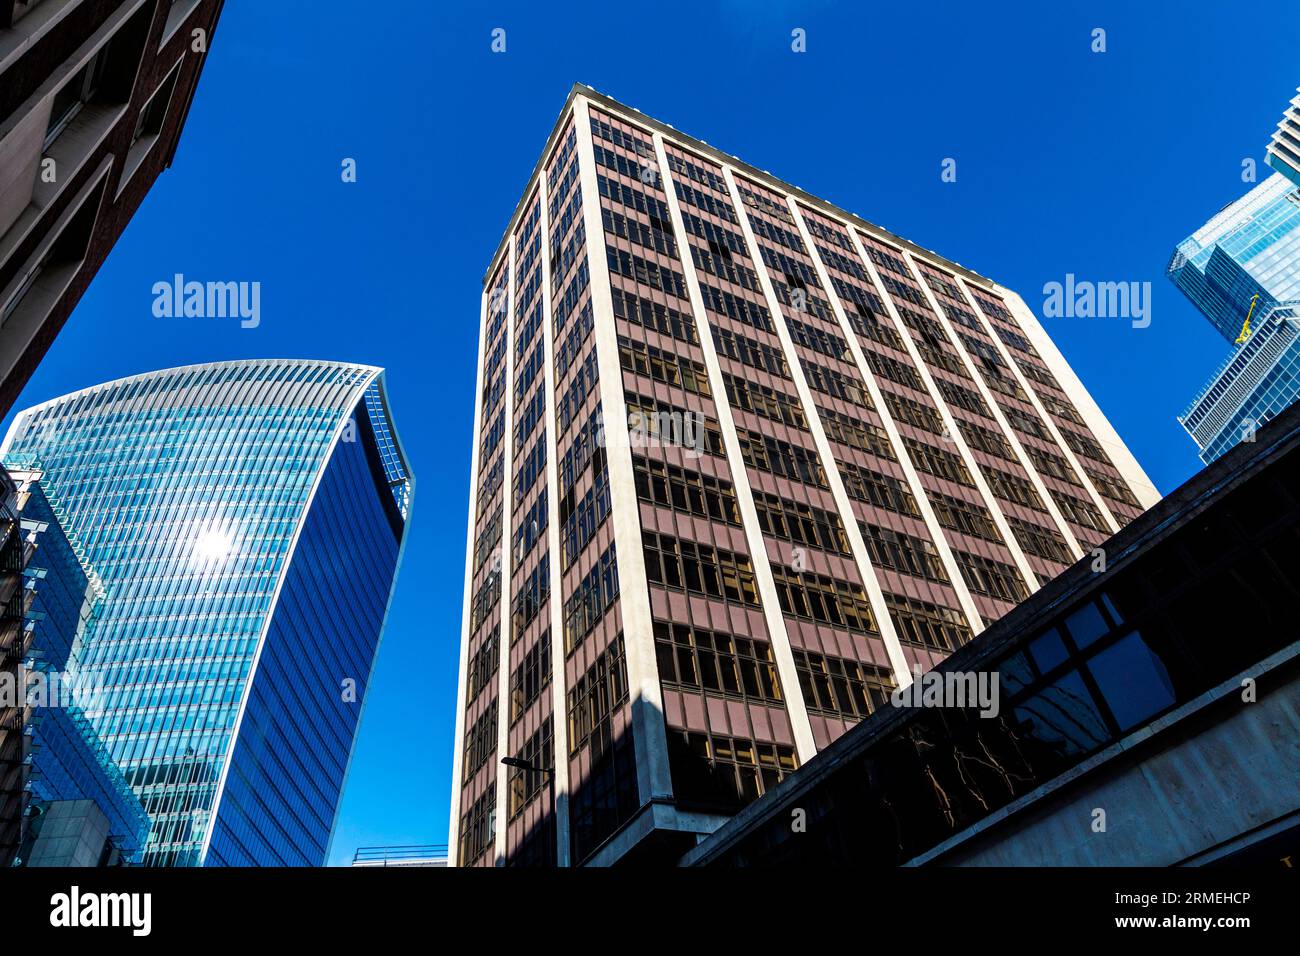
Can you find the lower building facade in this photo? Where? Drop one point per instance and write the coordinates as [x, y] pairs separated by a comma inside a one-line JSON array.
[[1146, 713]]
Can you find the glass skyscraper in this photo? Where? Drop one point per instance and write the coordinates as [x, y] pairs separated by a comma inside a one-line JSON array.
[[1252, 246], [246, 521], [1245, 261]]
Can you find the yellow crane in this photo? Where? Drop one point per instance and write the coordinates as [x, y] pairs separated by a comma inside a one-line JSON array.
[[1245, 329]]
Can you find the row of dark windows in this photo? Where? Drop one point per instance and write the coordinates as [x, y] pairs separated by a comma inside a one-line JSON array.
[[584, 380], [591, 598], [574, 339], [483, 665], [838, 687], [775, 210], [657, 235], [895, 370], [818, 340], [699, 569], [1012, 488], [857, 433], [734, 307], [902, 552], [957, 514], [478, 828], [667, 424], [704, 201], [625, 195], [1044, 542], [485, 599], [717, 663], [836, 384], [781, 458], [765, 401], [821, 598], [531, 677], [994, 579], [938, 462], [480, 740], [530, 469], [586, 445], [650, 274], [1082, 513], [916, 414], [528, 600], [582, 520], [654, 315], [718, 263], [666, 367], [878, 489], [531, 527], [523, 785], [926, 624], [726, 773], [800, 523], [986, 440], [595, 696], [685, 491], [755, 354]]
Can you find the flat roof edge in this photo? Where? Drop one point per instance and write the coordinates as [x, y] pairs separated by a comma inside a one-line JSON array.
[[699, 146]]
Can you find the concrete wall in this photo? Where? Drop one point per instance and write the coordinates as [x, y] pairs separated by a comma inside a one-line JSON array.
[[1215, 781]]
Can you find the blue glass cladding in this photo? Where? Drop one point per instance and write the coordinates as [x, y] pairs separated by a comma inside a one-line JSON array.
[[60, 582], [69, 762], [184, 490], [1250, 246], [286, 773]]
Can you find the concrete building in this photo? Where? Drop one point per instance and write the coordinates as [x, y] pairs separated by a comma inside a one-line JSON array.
[[400, 856], [15, 639], [1146, 713], [743, 462], [93, 96]]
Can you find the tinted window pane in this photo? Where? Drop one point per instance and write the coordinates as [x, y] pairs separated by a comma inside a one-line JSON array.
[[1048, 651], [1133, 681], [1063, 716], [1086, 625]]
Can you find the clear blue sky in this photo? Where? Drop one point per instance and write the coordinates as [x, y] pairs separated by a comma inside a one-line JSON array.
[[1068, 161]]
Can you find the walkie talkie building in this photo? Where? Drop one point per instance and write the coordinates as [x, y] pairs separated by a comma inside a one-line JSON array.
[[246, 520]]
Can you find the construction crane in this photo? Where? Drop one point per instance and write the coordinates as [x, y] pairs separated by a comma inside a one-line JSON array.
[[1245, 329]]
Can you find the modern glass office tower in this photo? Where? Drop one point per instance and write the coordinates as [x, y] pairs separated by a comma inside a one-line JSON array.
[[1256, 382], [1251, 247], [742, 462], [1245, 262], [246, 521]]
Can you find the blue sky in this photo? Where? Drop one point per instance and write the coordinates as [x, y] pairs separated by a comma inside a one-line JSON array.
[[1068, 161]]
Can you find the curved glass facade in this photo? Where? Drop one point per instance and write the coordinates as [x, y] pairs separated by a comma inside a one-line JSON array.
[[245, 520]]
